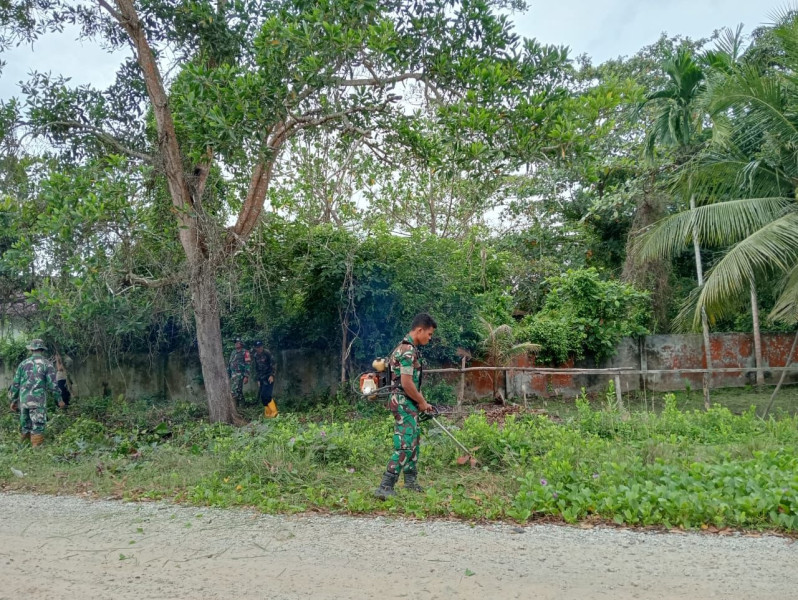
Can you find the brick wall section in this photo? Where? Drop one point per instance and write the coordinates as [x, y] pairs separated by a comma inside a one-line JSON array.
[[663, 352]]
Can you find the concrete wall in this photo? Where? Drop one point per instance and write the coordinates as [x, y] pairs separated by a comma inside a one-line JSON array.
[[179, 377], [311, 372], [175, 376]]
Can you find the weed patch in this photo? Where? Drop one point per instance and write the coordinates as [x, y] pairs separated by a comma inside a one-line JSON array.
[[673, 468]]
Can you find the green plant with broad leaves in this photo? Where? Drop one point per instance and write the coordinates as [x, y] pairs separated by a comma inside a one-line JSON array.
[[585, 314], [674, 468]]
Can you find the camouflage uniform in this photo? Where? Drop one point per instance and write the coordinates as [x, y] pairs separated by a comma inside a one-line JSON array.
[[35, 377], [405, 360], [237, 369]]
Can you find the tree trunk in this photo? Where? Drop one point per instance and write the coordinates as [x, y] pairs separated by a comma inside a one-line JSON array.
[[344, 348], [787, 364], [760, 374], [205, 300], [704, 321], [653, 274]]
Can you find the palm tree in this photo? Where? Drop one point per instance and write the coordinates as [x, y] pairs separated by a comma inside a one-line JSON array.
[[678, 124], [748, 178], [499, 349], [678, 120]]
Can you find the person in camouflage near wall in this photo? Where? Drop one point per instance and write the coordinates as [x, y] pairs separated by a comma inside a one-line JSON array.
[[405, 404], [238, 371], [35, 377], [263, 368]]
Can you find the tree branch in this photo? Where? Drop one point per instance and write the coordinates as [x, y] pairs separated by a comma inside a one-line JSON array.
[[379, 81], [132, 279], [102, 136], [116, 15], [261, 175], [127, 17]]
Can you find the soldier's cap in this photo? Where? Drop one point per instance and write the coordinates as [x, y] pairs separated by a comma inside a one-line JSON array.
[[237, 340], [36, 344], [258, 343]]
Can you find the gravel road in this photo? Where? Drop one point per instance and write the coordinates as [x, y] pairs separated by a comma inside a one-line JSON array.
[[64, 547]]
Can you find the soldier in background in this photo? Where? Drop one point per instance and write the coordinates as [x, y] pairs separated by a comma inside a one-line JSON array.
[[263, 365], [62, 378], [35, 377], [238, 371]]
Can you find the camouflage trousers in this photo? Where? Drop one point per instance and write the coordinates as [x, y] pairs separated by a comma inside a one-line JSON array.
[[406, 435], [32, 418], [237, 387]]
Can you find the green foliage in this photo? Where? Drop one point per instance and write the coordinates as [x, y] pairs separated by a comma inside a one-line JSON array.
[[377, 283], [557, 336], [743, 179], [12, 351], [692, 469], [583, 314]]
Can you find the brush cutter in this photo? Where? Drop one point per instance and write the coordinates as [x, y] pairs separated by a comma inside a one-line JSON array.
[[432, 416], [378, 384]]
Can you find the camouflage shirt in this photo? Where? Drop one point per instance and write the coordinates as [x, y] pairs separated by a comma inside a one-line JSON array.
[[34, 378], [239, 363], [406, 360], [263, 365]]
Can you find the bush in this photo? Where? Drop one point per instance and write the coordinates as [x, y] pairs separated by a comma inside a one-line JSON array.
[[584, 314]]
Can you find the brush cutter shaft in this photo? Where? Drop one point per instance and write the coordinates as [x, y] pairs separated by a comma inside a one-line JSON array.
[[449, 433]]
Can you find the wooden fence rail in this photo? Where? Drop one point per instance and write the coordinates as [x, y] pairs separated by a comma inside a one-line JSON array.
[[618, 371]]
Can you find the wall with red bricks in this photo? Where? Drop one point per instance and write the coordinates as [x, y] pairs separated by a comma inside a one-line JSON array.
[[653, 352]]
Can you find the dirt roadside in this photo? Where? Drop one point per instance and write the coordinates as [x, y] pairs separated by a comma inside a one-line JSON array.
[[64, 547]]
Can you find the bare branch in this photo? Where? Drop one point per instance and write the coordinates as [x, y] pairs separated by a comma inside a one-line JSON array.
[[132, 279], [261, 175], [116, 15], [379, 81], [102, 136]]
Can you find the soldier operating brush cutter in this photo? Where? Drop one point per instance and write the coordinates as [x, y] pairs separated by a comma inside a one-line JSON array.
[[378, 383]]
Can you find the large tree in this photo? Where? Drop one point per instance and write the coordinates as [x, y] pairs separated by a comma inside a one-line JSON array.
[[214, 91]]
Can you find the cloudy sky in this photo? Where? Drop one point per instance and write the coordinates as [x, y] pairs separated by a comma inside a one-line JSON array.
[[602, 29]]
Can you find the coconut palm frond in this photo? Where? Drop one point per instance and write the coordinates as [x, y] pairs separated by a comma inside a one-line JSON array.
[[728, 174], [786, 307], [759, 103], [773, 248], [718, 224], [730, 42]]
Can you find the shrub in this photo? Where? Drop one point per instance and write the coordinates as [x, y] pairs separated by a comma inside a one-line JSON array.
[[584, 314]]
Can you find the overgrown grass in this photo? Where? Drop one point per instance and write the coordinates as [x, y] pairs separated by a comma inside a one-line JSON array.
[[737, 400], [670, 468]]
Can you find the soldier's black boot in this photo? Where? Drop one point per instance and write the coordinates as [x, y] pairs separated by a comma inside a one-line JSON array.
[[386, 486], [411, 483]]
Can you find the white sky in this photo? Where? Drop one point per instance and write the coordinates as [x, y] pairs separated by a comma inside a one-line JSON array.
[[603, 29]]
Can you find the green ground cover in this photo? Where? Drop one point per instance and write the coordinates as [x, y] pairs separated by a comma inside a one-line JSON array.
[[673, 467]]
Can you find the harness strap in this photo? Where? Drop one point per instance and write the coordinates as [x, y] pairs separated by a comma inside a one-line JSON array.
[[397, 382]]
